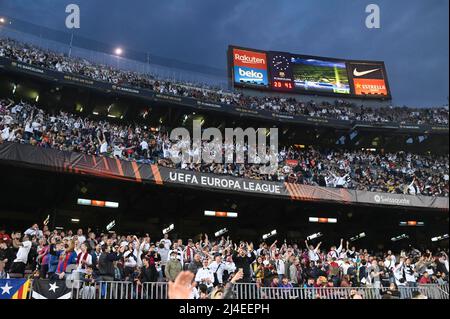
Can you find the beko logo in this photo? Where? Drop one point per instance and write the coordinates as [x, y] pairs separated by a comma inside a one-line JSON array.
[[251, 74], [249, 60]]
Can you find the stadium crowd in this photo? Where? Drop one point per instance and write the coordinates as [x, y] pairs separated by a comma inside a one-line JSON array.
[[400, 172], [46, 253], [341, 109]]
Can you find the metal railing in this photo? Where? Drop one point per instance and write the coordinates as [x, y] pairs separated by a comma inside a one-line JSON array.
[[116, 290], [253, 291]]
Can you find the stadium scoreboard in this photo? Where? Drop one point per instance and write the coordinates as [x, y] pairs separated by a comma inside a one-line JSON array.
[[288, 72]]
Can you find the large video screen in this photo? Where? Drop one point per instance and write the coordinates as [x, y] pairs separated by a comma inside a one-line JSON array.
[[282, 71], [320, 75]]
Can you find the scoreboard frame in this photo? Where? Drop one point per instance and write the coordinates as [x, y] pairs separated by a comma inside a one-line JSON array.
[[278, 85]]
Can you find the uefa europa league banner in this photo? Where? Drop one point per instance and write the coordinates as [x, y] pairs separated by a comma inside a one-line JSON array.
[[76, 163]]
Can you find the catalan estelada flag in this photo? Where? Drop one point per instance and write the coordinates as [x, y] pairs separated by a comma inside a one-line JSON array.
[[14, 288]]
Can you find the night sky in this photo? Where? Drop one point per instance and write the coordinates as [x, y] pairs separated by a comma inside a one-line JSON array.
[[412, 40]]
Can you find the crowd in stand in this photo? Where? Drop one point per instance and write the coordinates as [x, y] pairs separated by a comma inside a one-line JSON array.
[[400, 173], [342, 110], [212, 264]]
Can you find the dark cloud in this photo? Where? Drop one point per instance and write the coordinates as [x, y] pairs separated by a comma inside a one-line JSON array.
[[413, 39]]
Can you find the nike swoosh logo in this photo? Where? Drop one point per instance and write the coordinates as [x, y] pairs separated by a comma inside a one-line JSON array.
[[356, 73]]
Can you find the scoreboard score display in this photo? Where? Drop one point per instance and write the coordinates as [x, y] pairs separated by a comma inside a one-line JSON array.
[[287, 72]]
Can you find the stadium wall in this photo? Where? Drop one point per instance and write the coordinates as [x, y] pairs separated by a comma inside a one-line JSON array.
[[7, 65]]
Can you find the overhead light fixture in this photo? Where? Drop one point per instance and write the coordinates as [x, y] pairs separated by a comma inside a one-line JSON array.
[[110, 225], [220, 232], [212, 213], [75, 220], [400, 237], [412, 223], [268, 235], [359, 236], [314, 236], [322, 220], [95, 113], [97, 203], [439, 238], [168, 229]]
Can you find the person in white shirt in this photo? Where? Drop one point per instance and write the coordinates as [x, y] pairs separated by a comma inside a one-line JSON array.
[[144, 148], [166, 241], [20, 262], [103, 145], [230, 265], [81, 237], [389, 261], [218, 267], [410, 273], [205, 275], [279, 264], [130, 259], [334, 252], [313, 253]]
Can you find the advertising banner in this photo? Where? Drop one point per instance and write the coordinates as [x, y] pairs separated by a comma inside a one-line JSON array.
[[107, 167], [368, 79], [250, 67]]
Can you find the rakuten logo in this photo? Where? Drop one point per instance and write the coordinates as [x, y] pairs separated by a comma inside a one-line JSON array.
[[251, 74], [249, 60]]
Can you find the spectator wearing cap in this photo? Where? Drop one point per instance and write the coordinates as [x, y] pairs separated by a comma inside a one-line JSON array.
[[178, 250], [173, 267]]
